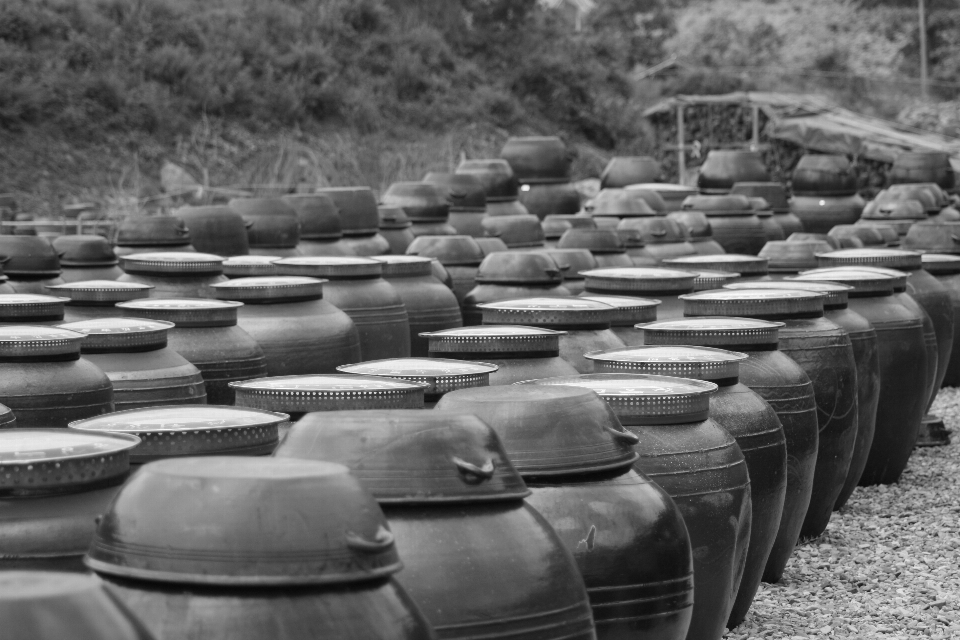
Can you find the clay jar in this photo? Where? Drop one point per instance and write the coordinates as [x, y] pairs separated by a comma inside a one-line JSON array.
[[396, 228], [45, 382], [946, 269], [824, 351], [174, 274], [544, 198], [607, 247], [507, 275], [466, 197], [217, 229], [701, 236], [749, 268], [205, 332], [784, 385], [733, 222], [140, 234], [673, 195], [775, 194], [665, 285], [273, 226], [356, 286], [628, 312], [868, 236], [450, 480], [824, 175], [517, 232], [902, 357], [31, 263], [425, 204], [31, 308], [460, 256], [722, 169], [748, 418], [623, 171], [299, 331], [933, 237], [820, 213], [430, 305], [86, 257], [438, 375], [359, 221], [623, 530], [586, 323], [923, 166], [320, 232], [520, 353], [790, 258], [91, 299], [663, 238], [56, 483], [499, 183], [573, 263]]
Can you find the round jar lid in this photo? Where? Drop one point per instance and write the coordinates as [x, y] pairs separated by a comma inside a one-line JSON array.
[[20, 307], [440, 375], [503, 341], [269, 289], [862, 280], [38, 343], [734, 262], [639, 280], [569, 312], [835, 294], [44, 460], [328, 392], [111, 335], [712, 332], [186, 312], [708, 279], [940, 264], [753, 303], [405, 266], [105, 291], [627, 311], [191, 430], [890, 258], [178, 262], [250, 266], [700, 363], [332, 267], [644, 399]]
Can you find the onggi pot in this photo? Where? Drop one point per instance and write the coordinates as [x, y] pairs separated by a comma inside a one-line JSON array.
[[438, 375], [460, 256], [250, 266], [507, 275], [359, 221], [748, 267], [91, 299], [628, 312], [946, 269], [174, 274], [663, 284]]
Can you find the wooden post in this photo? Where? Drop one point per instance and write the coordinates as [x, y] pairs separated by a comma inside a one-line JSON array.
[[755, 140], [923, 50], [681, 144]]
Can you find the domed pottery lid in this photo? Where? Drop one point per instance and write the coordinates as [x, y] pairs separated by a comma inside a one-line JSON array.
[[29, 256], [411, 456], [554, 229], [712, 332], [868, 235], [595, 240], [888, 231], [835, 294], [754, 303], [152, 231], [331, 267], [319, 219], [100, 292], [244, 521], [538, 159], [490, 245], [719, 205], [36, 461], [269, 289], [509, 341], [736, 262], [519, 267], [392, 217], [464, 192], [939, 264], [191, 430], [791, 257], [890, 258], [515, 231], [939, 197], [761, 207], [560, 312], [576, 220], [115, 335], [173, 262], [665, 189], [30, 307], [449, 250], [421, 201], [30, 342], [656, 230], [499, 182], [357, 209], [405, 266], [185, 312], [627, 310], [619, 203], [84, 251], [328, 392], [440, 375], [678, 361], [53, 605], [824, 174], [651, 196], [639, 280], [708, 279], [695, 222], [773, 192], [250, 266], [863, 280], [929, 200], [894, 210], [550, 430], [644, 399], [572, 262]]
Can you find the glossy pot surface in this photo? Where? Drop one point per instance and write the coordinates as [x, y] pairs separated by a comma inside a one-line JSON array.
[[271, 222], [538, 159], [496, 174], [821, 213], [623, 171], [946, 269], [317, 214], [217, 229], [774, 193], [824, 175], [420, 201], [357, 208], [152, 231], [722, 169], [542, 200]]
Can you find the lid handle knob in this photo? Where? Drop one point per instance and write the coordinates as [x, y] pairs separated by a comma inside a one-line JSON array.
[[472, 474], [382, 541], [624, 436]]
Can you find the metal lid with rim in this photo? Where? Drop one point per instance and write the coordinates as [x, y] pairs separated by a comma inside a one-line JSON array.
[[269, 289], [699, 363], [890, 258], [562, 312], [26, 307], [640, 399], [105, 292], [627, 311], [328, 392], [754, 303], [863, 280], [940, 264], [440, 375], [835, 294], [37, 461], [175, 262], [712, 332], [405, 266], [250, 266], [28, 342], [743, 264], [113, 335], [511, 341], [186, 312], [639, 280], [708, 279], [191, 430], [411, 456], [330, 267]]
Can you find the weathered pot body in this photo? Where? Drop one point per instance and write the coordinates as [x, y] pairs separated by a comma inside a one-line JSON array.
[[545, 199], [460, 255], [722, 169], [948, 274], [923, 166], [485, 293], [150, 378], [824, 175], [821, 213], [935, 300], [218, 230]]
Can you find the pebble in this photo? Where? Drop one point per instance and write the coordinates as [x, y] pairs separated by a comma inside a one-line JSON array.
[[888, 565]]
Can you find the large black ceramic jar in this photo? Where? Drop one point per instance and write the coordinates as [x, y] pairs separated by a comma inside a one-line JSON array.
[[868, 236], [733, 222], [356, 287], [359, 220], [141, 234], [586, 324], [520, 353], [698, 227], [771, 228], [899, 211], [174, 274], [545, 198], [538, 159], [425, 205], [45, 382], [320, 232], [573, 263], [217, 229], [607, 247], [517, 232], [663, 238], [205, 332], [933, 237], [273, 226], [923, 166], [439, 375], [611, 206], [775, 193], [946, 269], [460, 256], [623, 171], [500, 185], [672, 195], [626, 534], [785, 386], [824, 175], [299, 331], [395, 227], [748, 418], [786, 258], [820, 213], [825, 352], [902, 353], [628, 312], [241, 548], [31, 263], [467, 198], [442, 478], [90, 299], [86, 257], [665, 285], [507, 275], [724, 168]]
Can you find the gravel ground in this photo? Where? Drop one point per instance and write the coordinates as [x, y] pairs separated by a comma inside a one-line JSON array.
[[888, 565]]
